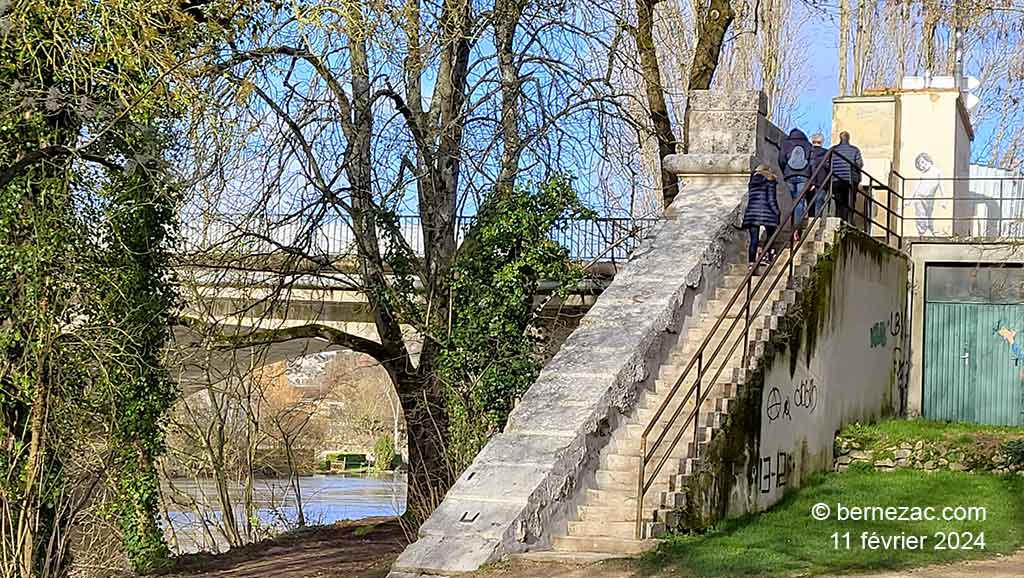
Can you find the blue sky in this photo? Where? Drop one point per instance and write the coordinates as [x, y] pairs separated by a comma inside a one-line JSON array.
[[820, 37]]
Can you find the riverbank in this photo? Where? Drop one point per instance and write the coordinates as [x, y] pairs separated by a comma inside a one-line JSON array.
[[348, 549]]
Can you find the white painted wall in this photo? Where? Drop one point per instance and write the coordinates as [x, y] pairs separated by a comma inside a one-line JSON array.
[[851, 375]]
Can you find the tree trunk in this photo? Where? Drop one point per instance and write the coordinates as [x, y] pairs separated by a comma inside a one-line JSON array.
[[858, 49], [844, 44], [710, 38], [508, 13], [426, 422], [28, 524], [931, 23], [658, 109]]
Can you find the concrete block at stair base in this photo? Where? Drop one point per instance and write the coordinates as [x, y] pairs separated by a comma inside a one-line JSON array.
[[513, 483], [711, 163], [446, 555], [484, 519]]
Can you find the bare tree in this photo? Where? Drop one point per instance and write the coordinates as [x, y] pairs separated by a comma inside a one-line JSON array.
[[343, 118]]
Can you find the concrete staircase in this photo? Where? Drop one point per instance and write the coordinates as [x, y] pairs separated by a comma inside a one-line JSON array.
[[605, 522]]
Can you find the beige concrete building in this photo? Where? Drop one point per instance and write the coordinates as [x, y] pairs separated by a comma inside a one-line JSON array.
[[920, 140], [966, 293]]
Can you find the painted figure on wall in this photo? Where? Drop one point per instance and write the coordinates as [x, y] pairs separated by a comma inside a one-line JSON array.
[[928, 188]]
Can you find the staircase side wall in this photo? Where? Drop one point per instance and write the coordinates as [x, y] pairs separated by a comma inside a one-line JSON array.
[[520, 490], [833, 361]]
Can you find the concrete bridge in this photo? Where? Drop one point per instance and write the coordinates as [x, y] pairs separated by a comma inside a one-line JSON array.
[[241, 295]]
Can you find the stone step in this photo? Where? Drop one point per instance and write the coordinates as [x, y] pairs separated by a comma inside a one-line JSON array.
[[619, 462], [631, 446], [635, 426], [717, 308], [725, 294], [611, 528], [695, 339], [597, 496], [673, 499], [624, 482], [661, 387], [667, 516], [627, 547], [619, 510], [643, 415], [711, 394], [678, 362]]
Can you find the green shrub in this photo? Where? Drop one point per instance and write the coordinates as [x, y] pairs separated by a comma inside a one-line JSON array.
[[383, 454], [862, 467]]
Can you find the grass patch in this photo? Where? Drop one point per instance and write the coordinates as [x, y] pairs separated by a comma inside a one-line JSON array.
[[913, 430], [361, 531], [787, 541]]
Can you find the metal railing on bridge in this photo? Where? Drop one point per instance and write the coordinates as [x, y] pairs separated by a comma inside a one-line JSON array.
[[587, 240]]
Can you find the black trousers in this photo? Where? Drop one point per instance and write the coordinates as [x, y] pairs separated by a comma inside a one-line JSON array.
[[841, 192], [755, 233]]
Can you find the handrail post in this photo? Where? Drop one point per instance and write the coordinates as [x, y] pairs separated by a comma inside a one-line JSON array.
[[746, 321], [697, 403], [640, 489], [792, 258]]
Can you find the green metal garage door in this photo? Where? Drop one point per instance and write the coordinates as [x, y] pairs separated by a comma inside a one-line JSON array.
[[974, 345]]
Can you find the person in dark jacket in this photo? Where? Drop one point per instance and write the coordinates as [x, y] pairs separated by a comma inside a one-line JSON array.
[[795, 161], [762, 208], [819, 178], [846, 164]]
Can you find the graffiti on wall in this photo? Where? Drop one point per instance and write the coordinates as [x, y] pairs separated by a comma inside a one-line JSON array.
[[1016, 351], [779, 405], [773, 471], [928, 188], [880, 334], [1010, 336], [881, 331]]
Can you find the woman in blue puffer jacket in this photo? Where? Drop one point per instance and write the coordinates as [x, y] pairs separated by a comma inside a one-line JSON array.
[[762, 208]]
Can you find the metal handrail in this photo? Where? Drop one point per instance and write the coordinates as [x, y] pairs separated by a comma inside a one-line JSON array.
[[1006, 223], [745, 289]]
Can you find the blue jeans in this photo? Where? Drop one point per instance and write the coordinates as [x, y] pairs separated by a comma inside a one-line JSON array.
[[796, 186], [817, 204]]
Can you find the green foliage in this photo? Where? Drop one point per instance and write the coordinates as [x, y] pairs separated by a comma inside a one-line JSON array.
[[490, 356], [384, 454], [86, 205]]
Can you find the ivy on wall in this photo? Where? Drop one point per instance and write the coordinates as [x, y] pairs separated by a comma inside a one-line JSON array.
[[491, 355]]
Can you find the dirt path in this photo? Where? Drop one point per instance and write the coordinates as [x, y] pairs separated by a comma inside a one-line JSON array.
[[366, 549], [361, 549], [997, 567]]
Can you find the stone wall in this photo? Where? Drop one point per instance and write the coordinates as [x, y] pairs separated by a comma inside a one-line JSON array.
[[526, 482], [981, 453], [833, 361]]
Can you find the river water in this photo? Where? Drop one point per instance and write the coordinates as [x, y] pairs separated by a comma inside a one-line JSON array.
[[325, 499]]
